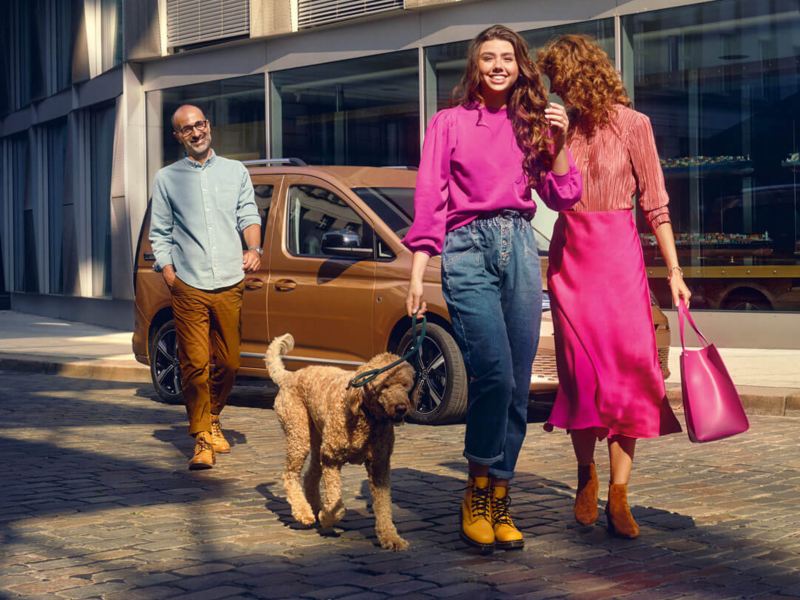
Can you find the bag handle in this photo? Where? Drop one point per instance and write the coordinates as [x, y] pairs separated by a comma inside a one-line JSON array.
[[683, 312]]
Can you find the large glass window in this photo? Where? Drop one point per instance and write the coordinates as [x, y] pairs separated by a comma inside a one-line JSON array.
[[56, 136], [355, 112], [445, 63], [720, 83], [101, 121], [110, 13], [26, 272], [235, 107]]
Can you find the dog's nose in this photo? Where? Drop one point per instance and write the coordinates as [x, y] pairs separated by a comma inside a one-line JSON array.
[[400, 409]]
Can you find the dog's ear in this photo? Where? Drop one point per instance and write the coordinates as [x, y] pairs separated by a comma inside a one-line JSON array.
[[354, 399]]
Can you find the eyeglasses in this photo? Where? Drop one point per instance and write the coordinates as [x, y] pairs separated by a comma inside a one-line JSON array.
[[187, 130]]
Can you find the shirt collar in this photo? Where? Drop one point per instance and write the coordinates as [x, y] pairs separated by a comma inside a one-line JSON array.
[[196, 165]]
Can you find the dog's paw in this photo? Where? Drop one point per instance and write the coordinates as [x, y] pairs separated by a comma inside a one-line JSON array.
[[304, 517], [329, 519], [393, 542]]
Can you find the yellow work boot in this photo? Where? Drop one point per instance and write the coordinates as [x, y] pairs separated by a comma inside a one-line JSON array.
[[203, 452], [476, 515], [218, 440], [506, 535]]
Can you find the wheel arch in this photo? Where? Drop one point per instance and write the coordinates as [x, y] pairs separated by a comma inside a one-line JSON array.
[[742, 288], [161, 317], [402, 326]]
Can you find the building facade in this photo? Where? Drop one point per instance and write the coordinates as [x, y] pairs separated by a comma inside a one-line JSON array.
[[89, 86]]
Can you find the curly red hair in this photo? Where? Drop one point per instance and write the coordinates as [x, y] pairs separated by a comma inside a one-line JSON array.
[[583, 75], [526, 101]]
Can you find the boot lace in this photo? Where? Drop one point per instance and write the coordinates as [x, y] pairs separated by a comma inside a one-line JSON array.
[[500, 512], [481, 498], [216, 429], [201, 444]]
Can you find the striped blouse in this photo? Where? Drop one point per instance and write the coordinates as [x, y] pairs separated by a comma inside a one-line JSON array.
[[619, 160]]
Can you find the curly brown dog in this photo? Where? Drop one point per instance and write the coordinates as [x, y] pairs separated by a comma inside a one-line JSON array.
[[337, 425]]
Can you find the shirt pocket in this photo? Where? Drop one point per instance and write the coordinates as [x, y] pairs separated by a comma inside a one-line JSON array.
[[227, 197]]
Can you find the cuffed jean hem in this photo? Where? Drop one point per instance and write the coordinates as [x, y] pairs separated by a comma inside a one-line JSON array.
[[498, 474], [483, 461]]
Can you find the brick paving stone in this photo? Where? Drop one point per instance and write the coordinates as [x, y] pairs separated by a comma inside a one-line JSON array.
[[223, 591], [104, 505]]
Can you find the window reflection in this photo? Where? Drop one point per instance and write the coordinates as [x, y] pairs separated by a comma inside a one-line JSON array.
[[356, 112], [235, 107], [720, 83]]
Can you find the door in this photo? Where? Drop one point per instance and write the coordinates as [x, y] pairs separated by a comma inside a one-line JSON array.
[[255, 333], [325, 302]]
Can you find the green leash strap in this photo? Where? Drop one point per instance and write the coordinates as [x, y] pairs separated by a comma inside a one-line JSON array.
[[367, 376]]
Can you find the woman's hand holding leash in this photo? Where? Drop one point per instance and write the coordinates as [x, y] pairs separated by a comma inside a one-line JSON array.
[[415, 305]]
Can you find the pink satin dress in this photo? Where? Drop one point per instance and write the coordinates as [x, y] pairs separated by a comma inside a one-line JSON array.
[[609, 376]]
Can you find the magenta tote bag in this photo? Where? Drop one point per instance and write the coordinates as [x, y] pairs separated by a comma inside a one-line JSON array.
[[711, 404]]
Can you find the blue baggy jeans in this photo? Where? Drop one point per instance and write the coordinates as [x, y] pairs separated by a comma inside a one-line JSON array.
[[492, 284]]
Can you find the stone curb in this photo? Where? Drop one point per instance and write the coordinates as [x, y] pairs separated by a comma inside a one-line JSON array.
[[76, 368], [757, 400]]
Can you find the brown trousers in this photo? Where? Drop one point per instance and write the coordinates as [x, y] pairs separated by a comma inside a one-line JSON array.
[[207, 323]]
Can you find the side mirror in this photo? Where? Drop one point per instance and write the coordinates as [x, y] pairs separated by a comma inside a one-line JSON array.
[[344, 243]]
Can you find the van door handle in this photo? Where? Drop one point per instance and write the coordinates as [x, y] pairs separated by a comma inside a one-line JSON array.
[[285, 285], [253, 284]]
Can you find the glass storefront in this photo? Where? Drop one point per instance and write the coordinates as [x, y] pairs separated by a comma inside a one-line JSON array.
[[235, 107], [721, 84], [356, 112], [55, 135]]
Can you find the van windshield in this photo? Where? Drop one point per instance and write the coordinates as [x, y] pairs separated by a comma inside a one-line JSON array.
[[394, 205]]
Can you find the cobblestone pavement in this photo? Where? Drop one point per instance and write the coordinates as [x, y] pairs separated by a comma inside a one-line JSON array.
[[97, 502]]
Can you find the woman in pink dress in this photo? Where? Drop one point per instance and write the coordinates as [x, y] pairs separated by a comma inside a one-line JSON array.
[[610, 383]]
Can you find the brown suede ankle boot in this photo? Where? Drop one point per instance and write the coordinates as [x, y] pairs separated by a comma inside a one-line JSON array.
[[619, 519], [586, 496]]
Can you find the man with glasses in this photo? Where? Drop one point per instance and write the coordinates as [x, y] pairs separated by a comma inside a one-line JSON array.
[[201, 204]]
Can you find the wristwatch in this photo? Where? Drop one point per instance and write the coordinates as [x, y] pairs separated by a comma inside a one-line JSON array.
[[257, 249]]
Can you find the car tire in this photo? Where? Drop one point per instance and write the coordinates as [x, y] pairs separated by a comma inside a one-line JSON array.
[[443, 377], [164, 368]]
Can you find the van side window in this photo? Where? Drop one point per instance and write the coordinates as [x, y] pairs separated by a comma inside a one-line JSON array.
[[313, 211], [263, 197]]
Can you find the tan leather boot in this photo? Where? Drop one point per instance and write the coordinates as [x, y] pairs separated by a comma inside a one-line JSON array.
[[218, 440], [586, 496], [619, 520], [476, 515], [506, 534], [203, 452]]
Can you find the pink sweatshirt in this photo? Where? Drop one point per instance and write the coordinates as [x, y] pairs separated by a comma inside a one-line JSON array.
[[471, 165]]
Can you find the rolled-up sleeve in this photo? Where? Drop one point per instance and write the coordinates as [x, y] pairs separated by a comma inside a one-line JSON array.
[[653, 197], [161, 224], [246, 209], [560, 192], [430, 198]]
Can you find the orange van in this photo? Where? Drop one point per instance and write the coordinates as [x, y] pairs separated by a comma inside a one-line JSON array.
[[334, 275]]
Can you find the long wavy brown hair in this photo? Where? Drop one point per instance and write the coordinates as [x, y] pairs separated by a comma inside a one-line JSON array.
[[582, 74], [526, 102]]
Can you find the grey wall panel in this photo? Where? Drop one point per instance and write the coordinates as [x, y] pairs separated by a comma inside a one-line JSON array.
[[142, 37]]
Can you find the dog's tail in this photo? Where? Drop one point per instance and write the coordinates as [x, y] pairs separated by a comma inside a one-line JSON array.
[[279, 347]]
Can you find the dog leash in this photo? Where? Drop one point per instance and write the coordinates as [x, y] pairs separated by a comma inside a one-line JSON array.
[[364, 378]]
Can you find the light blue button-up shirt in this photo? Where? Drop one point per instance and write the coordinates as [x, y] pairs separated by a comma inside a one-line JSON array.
[[197, 214]]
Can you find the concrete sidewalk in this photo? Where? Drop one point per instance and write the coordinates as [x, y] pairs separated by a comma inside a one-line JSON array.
[[768, 380]]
